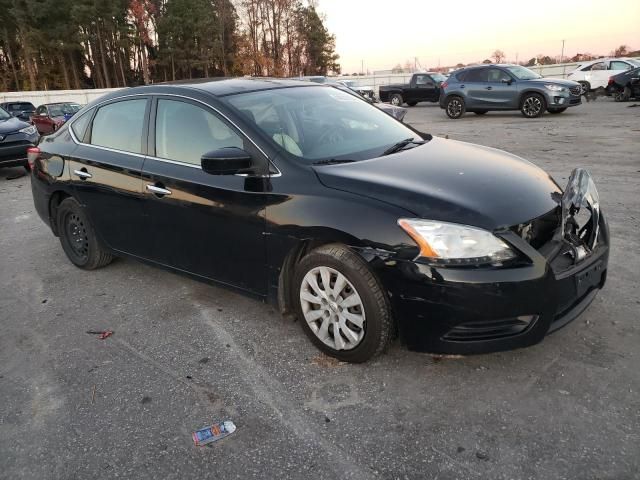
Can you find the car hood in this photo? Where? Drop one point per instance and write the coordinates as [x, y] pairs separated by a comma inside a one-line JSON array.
[[451, 181], [12, 124], [554, 81]]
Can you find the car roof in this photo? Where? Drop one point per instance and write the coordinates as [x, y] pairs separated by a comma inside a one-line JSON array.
[[229, 86], [59, 103]]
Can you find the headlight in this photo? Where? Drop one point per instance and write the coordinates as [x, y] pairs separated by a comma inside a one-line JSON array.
[[554, 88], [30, 130], [453, 244]]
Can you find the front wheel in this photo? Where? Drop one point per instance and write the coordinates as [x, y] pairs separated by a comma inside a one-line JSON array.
[[533, 105], [623, 96], [78, 238], [586, 87], [455, 107], [556, 110], [396, 99], [342, 305]]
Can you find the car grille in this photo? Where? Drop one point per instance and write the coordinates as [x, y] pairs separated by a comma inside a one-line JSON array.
[[577, 90], [489, 330]]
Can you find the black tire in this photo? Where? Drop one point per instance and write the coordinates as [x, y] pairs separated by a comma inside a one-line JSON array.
[[455, 107], [412, 104], [586, 86], [396, 99], [533, 105], [78, 238], [625, 95], [556, 110], [480, 112], [376, 309]]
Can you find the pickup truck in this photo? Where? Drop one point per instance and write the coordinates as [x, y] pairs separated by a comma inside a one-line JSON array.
[[424, 87]]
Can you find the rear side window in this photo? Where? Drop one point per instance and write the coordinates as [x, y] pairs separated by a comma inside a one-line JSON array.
[[79, 126], [185, 132], [479, 75], [119, 125]]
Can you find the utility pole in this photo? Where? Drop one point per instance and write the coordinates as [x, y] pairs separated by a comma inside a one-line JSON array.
[[362, 67], [561, 59]]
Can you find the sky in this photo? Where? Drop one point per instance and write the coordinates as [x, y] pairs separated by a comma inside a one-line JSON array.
[[383, 33]]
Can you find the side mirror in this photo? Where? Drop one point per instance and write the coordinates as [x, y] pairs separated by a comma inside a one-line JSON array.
[[226, 161], [507, 81]]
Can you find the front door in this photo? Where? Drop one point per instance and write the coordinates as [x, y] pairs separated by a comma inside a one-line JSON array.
[[208, 225], [426, 89], [500, 90]]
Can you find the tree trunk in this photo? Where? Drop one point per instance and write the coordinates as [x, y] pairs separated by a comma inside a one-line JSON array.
[[65, 74], [10, 60], [102, 58], [74, 71]]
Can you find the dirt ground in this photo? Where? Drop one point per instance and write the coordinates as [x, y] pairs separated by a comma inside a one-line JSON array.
[[185, 354]]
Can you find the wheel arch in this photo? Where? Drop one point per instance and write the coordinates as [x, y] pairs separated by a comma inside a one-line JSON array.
[[527, 91], [54, 202]]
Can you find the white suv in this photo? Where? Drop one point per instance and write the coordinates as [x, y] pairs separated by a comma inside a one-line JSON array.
[[595, 74]]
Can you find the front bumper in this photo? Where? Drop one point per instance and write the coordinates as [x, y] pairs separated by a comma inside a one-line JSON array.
[[470, 311], [561, 99], [13, 149]]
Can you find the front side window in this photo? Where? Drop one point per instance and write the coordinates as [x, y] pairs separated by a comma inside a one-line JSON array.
[[595, 66], [119, 125], [618, 65], [497, 76], [522, 73], [185, 132], [321, 123], [423, 80], [4, 115]]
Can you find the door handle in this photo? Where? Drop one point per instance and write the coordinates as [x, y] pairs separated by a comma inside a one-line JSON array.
[[83, 174], [461, 86], [489, 88], [158, 190]]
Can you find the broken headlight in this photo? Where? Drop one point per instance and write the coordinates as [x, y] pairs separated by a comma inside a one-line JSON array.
[[454, 244]]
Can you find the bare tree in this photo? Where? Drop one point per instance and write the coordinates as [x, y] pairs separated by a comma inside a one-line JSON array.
[[498, 56]]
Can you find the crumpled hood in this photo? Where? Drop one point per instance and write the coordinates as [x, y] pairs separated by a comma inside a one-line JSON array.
[[555, 81], [451, 181], [11, 125]]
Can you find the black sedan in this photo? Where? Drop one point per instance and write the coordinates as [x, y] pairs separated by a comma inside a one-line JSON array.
[[625, 85], [310, 198]]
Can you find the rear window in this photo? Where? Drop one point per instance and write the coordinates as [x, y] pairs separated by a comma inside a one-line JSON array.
[[119, 125], [17, 107]]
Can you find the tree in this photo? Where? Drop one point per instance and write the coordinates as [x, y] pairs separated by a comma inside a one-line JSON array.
[[621, 51], [397, 69], [498, 56]]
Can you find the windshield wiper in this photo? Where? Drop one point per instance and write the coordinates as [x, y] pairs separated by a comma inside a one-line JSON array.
[[332, 161], [401, 144]]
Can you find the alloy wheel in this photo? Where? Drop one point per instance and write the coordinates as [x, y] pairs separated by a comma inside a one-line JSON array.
[[332, 308], [532, 106], [454, 107], [395, 101]]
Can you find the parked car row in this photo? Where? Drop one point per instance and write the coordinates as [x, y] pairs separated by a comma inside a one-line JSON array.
[[16, 137], [47, 118]]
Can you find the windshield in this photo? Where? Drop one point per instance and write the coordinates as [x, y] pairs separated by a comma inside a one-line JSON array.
[[4, 115], [62, 109], [634, 62], [18, 107], [522, 73], [321, 123]]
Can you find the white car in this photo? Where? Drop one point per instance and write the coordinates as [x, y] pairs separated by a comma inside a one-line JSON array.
[[595, 74]]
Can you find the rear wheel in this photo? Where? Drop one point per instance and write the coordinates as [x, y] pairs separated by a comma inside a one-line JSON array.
[[556, 110], [78, 238], [396, 99], [455, 107], [533, 105], [586, 86], [341, 304], [623, 96]]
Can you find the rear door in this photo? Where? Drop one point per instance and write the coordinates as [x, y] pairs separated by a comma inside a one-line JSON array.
[[475, 86], [209, 225], [106, 170]]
